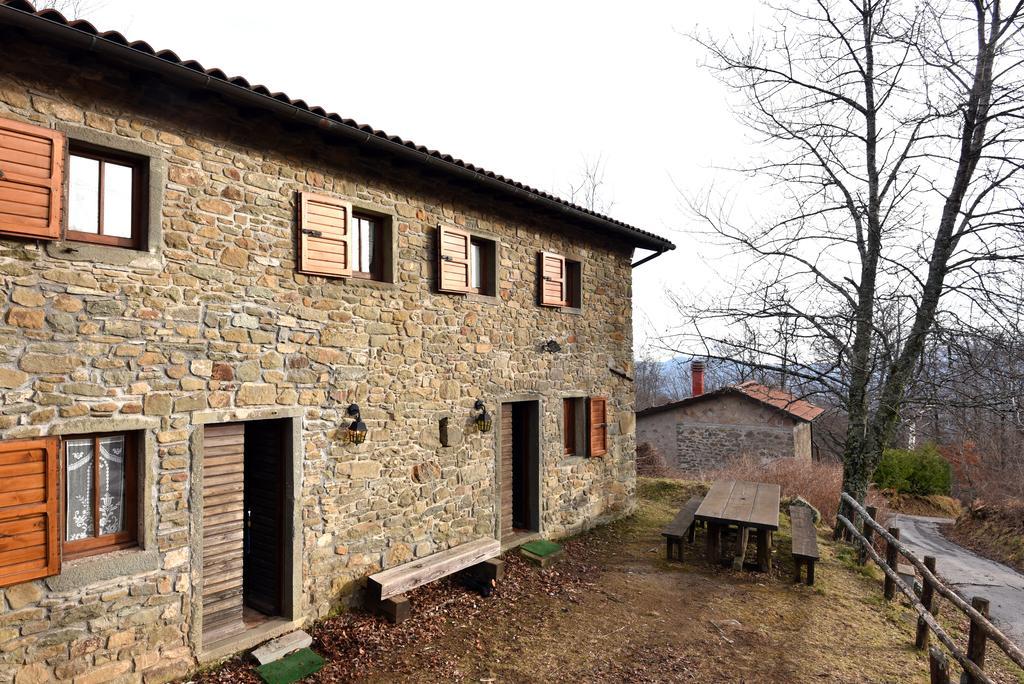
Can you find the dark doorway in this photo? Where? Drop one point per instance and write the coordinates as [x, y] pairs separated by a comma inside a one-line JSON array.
[[263, 573], [520, 467]]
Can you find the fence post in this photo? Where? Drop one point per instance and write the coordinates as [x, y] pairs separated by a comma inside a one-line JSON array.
[[891, 556], [938, 665], [869, 535], [927, 600], [976, 640]]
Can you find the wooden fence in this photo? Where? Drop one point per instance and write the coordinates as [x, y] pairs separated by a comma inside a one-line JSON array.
[[981, 631]]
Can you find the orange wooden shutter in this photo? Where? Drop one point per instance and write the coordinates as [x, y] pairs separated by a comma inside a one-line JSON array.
[[29, 522], [552, 279], [598, 426], [31, 180], [453, 270], [325, 235]]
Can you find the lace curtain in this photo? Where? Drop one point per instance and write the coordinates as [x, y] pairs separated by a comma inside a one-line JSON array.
[[80, 455]]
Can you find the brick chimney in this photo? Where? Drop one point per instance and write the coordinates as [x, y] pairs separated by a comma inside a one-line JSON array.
[[697, 377]]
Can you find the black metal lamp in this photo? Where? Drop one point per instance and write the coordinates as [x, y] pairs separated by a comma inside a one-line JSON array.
[[484, 423], [356, 433]]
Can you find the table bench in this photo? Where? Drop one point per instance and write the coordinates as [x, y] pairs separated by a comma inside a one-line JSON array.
[[805, 541], [683, 525], [386, 589], [746, 506]]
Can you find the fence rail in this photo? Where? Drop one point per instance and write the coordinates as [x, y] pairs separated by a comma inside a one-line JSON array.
[[981, 630]]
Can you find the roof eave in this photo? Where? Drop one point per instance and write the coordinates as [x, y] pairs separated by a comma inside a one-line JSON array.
[[177, 71]]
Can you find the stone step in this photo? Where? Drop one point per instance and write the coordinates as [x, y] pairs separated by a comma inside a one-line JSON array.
[[280, 647]]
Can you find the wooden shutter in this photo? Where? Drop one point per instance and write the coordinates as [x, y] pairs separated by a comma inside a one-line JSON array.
[[29, 511], [325, 235], [453, 254], [552, 279], [598, 426], [31, 180]]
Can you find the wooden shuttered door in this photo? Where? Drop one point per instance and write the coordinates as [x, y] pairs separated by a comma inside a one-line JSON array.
[[223, 529], [325, 235], [31, 180], [598, 410], [552, 279], [29, 510], [454, 273]]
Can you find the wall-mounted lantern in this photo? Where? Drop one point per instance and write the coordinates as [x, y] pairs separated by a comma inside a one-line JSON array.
[[356, 433], [484, 422]]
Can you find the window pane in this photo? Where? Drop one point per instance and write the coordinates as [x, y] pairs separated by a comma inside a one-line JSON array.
[[112, 484], [370, 244], [78, 457], [117, 200], [476, 277], [84, 195], [366, 243]]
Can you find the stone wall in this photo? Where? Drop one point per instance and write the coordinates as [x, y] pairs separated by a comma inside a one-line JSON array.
[[215, 320], [704, 447], [705, 435]]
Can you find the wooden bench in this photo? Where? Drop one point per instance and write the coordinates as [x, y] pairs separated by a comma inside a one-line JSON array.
[[681, 526], [805, 541], [386, 589]]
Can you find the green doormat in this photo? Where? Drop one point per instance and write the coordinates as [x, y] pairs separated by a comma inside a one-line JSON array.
[[291, 668], [541, 547]]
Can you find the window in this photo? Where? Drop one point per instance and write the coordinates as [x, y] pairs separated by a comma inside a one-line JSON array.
[[481, 258], [573, 420], [573, 284], [466, 263], [105, 204], [100, 498], [561, 281], [367, 251]]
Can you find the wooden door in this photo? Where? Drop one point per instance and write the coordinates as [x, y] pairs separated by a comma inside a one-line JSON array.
[[506, 469], [264, 515], [223, 520]]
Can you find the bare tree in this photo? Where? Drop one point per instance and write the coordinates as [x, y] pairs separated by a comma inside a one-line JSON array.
[[71, 9], [588, 190], [892, 131]]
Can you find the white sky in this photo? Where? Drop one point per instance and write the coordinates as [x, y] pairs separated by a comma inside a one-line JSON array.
[[527, 89]]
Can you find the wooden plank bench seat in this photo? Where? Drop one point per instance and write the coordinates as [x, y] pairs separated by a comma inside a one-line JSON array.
[[683, 525], [805, 541], [386, 589]]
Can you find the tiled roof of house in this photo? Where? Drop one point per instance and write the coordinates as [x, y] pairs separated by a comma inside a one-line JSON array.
[[800, 409], [23, 14]]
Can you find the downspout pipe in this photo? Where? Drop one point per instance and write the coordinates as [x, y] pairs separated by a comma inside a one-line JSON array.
[[181, 73]]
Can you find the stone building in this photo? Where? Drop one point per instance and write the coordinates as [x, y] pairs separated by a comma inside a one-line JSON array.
[[208, 289], [708, 429]]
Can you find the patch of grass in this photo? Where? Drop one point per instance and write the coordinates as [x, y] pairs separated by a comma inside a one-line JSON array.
[[665, 490]]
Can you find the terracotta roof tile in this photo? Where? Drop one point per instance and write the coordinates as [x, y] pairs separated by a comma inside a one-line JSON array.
[[781, 399]]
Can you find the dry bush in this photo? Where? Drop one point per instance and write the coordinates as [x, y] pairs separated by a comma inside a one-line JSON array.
[[819, 483], [650, 463]]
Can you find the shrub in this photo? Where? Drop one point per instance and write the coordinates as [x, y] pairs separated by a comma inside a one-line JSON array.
[[922, 471]]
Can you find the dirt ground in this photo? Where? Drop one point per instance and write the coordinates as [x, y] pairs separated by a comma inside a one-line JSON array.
[[615, 610]]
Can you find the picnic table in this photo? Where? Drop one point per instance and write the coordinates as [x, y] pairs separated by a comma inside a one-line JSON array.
[[747, 506]]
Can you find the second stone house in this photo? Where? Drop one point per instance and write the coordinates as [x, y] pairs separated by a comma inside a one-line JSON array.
[[748, 420], [253, 352]]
